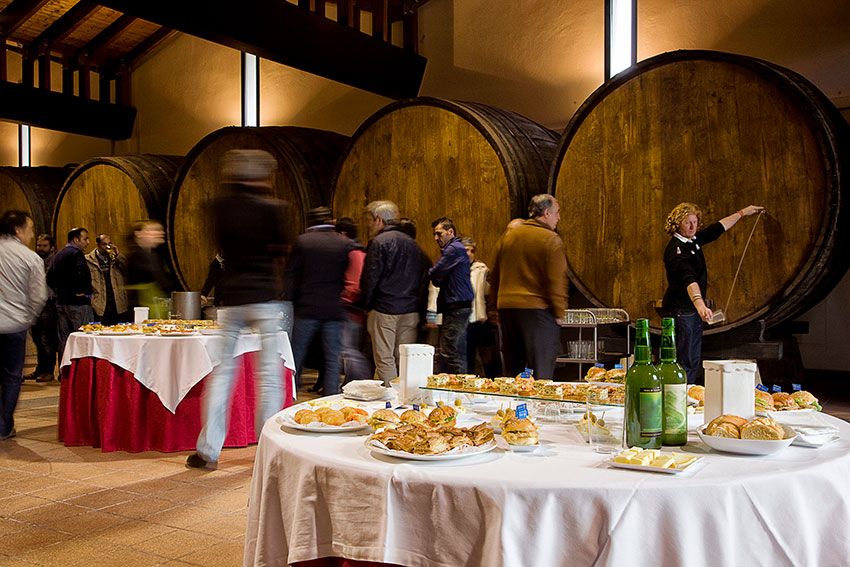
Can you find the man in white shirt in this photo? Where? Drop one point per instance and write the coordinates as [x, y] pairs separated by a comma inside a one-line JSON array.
[[23, 293]]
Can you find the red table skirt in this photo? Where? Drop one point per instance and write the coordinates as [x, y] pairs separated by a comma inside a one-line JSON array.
[[103, 405]]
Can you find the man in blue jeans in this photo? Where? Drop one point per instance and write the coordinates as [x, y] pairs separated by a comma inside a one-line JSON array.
[[451, 275], [315, 275], [23, 293], [250, 232]]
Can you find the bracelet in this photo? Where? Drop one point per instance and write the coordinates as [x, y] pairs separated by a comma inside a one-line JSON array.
[[741, 213], [697, 296]]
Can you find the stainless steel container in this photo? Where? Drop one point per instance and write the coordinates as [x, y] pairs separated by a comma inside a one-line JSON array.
[[186, 305]]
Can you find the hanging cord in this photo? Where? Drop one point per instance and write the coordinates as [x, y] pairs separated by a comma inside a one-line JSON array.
[[740, 262]]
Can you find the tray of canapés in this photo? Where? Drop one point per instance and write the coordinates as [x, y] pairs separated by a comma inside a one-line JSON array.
[[546, 390], [153, 327], [433, 436]]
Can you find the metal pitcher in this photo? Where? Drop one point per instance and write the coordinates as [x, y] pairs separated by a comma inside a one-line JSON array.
[[186, 305]]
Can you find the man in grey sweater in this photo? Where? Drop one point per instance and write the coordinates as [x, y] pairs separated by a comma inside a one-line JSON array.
[[23, 293]]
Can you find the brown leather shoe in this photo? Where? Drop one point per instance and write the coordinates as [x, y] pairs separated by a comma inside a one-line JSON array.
[[45, 378]]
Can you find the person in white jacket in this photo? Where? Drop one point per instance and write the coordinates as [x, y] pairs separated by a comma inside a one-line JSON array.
[[481, 335], [23, 293]]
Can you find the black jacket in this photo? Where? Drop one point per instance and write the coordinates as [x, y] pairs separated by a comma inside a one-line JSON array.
[[250, 231], [69, 276], [315, 273], [395, 274], [684, 264]]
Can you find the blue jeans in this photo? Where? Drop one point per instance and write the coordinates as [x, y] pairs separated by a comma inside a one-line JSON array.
[[12, 349], [453, 339], [69, 319], [219, 387], [689, 345], [354, 362], [331, 332]]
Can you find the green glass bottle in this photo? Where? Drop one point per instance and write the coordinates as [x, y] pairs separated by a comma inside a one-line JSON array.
[[674, 388], [644, 404]]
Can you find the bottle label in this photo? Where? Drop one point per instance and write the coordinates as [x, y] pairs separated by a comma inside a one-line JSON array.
[[649, 412], [675, 409], [775, 388], [762, 387], [796, 387], [521, 411]]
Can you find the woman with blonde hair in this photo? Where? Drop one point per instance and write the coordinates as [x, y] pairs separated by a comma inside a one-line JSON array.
[[687, 279]]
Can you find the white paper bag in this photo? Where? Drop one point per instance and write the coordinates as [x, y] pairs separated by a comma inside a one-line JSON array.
[[416, 363], [729, 388]]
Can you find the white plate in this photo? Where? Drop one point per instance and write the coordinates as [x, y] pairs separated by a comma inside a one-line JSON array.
[[118, 333], [747, 446], [456, 454], [523, 448], [177, 334], [786, 413], [647, 468], [314, 427]]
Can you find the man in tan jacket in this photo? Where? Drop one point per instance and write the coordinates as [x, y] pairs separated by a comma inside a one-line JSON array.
[[108, 268], [529, 285]]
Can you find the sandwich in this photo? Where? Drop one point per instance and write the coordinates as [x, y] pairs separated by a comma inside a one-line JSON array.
[[520, 432], [698, 393], [806, 400], [764, 401], [763, 428], [383, 418], [595, 374], [726, 426], [332, 417], [784, 401], [442, 415], [616, 375], [414, 416]]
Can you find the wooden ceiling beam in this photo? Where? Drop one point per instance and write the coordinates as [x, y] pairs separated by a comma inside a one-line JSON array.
[[63, 26], [284, 33], [141, 49], [101, 40], [57, 111], [16, 13]]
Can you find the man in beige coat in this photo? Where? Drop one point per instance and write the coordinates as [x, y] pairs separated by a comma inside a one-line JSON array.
[[529, 285], [108, 268]]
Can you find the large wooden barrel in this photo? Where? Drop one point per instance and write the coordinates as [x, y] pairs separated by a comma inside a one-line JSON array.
[[306, 159], [34, 190], [471, 162], [108, 194], [723, 131]]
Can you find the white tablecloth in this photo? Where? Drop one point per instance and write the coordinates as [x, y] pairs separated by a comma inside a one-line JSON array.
[[327, 495], [168, 366]]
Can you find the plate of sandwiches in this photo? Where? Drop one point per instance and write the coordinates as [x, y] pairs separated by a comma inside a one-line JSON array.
[[757, 436], [326, 419], [420, 442], [783, 403]]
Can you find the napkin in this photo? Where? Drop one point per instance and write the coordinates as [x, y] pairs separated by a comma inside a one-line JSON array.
[[367, 390]]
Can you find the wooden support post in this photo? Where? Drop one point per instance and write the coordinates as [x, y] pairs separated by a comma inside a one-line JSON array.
[[105, 94], [67, 79], [84, 91], [44, 71], [27, 70]]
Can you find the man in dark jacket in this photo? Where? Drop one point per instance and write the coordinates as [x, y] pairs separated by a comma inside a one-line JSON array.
[[315, 275], [69, 277], [43, 332], [250, 232], [451, 275], [393, 278]]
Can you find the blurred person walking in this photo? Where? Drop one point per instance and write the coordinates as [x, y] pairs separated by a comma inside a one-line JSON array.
[[529, 285], [23, 293], [315, 276], [70, 278], [482, 334], [250, 233], [45, 333], [108, 268], [451, 275], [147, 278], [355, 364]]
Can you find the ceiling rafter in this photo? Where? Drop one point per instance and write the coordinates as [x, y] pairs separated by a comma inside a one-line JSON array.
[[101, 40], [63, 26], [16, 13]]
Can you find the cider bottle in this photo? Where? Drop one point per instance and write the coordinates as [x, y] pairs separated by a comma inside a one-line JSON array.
[[674, 388], [644, 404]]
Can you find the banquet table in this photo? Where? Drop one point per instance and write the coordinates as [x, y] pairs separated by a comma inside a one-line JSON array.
[[327, 495], [143, 393]]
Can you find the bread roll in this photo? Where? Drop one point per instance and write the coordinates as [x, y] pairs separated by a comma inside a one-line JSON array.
[[697, 393], [305, 416], [723, 429], [763, 428], [333, 417]]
